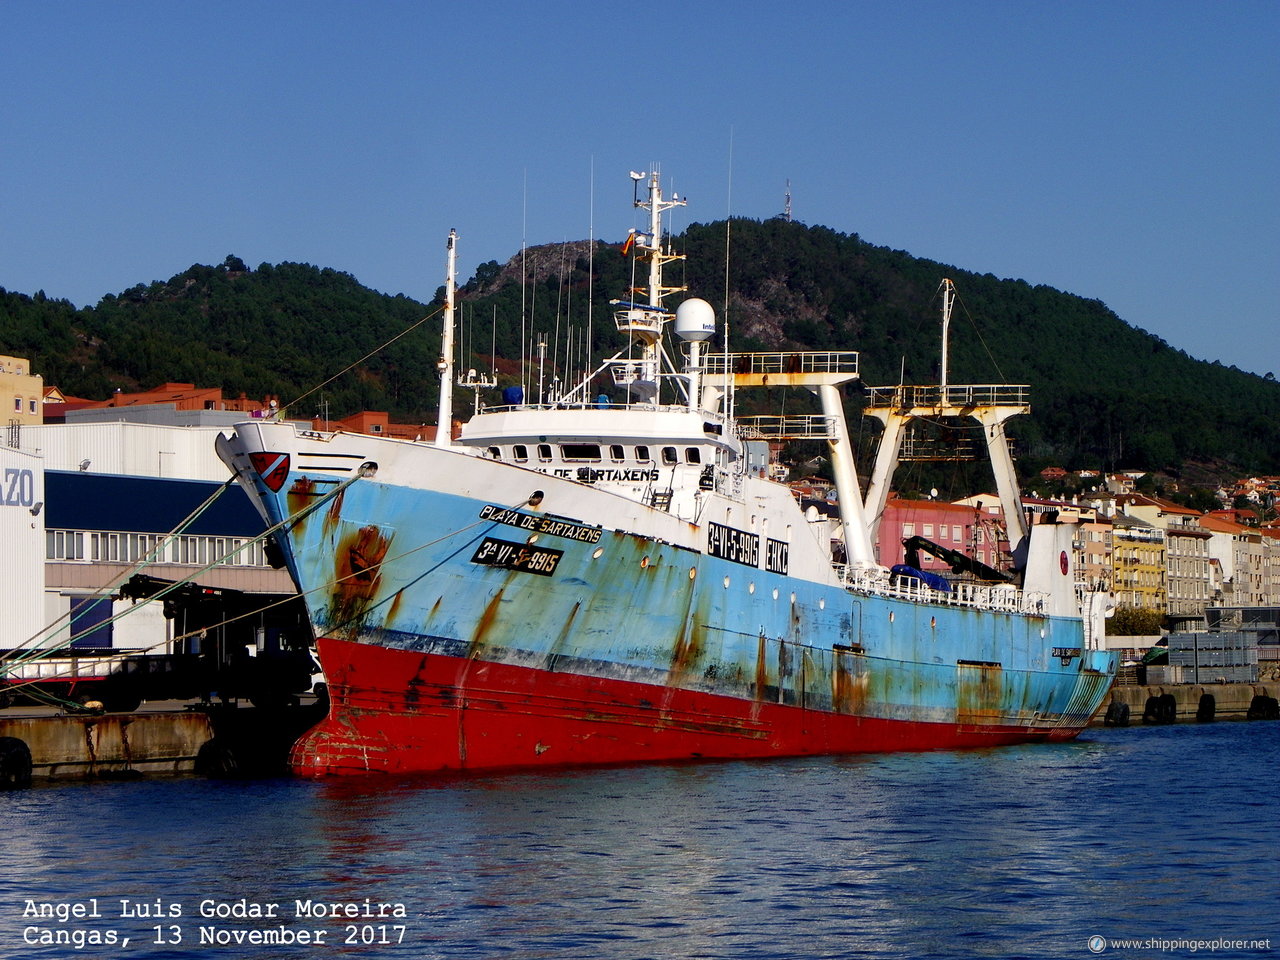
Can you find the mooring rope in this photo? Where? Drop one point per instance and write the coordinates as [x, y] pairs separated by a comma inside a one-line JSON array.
[[302, 514], [327, 585]]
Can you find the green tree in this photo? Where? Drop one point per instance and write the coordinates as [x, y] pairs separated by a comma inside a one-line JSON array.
[[1129, 621]]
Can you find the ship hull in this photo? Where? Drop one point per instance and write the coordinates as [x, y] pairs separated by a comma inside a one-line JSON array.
[[400, 712], [476, 615]]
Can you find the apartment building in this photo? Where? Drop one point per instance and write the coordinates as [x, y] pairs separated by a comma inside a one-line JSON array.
[[1138, 573]]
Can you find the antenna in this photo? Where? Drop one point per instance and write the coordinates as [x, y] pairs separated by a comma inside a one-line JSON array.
[[542, 359], [524, 279], [786, 206], [591, 269], [730, 401]]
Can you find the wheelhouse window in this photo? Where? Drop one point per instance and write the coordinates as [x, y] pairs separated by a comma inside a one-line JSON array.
[[692, 455], [642, 454], [670, 456], [495, 453], [617, 453], [544, 452], [580, 452], [520, 452]]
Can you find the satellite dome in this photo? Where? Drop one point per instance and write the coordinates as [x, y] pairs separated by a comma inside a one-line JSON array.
[[695, 320]]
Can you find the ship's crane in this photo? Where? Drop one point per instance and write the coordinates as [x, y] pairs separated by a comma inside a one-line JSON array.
[[958, 562]]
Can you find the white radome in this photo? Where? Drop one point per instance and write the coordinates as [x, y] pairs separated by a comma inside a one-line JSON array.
[[695, 320]]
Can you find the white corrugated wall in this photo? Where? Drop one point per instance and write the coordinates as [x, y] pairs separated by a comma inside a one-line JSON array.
[[129, 449], [21, 547]]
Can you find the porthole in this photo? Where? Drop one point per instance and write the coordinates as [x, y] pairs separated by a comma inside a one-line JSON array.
[[597, 553], [726, 581], [751, 588], [891, 616], [693, 572], [775, 593], [644, 562]]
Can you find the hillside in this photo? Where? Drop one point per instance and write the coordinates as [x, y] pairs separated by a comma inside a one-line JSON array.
[[1104, 393]]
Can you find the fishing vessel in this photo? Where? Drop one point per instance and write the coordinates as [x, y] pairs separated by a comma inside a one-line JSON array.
[[608, 576]]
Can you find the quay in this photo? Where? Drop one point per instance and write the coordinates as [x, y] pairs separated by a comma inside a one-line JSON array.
[[218, 740], [1187, 703]]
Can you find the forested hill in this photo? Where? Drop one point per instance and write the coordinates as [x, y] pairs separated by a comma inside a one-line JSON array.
[[1104, 394]]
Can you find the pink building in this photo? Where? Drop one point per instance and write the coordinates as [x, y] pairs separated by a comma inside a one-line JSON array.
[[955, 526]]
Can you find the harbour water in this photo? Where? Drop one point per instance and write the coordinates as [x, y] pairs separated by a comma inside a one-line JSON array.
[[1162, 834]]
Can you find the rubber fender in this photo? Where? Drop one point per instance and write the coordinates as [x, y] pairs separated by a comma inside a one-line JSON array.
[[1264, 708], [217, 760], [15, 764], [1117, 714], [1207, 708], [1151, 712]]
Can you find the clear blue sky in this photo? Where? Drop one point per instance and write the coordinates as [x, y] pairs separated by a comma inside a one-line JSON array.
[[1124, 151]]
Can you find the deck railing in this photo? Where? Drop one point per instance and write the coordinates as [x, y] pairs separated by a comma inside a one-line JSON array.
[[906, 396], [813, 361], [793, 427], [978, 595]]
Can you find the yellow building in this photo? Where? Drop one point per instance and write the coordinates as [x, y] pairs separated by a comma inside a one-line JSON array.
[[21, 393], [1139, 576]]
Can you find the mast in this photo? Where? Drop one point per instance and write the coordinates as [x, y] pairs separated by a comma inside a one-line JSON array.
[[444, 421], [659, 254], [948, 295]]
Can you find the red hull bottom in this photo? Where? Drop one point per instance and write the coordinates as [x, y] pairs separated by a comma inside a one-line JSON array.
[[396, 711]]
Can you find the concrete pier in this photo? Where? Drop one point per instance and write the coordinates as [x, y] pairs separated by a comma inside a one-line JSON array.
[[1231, 701], [214, 740], [110, 745]]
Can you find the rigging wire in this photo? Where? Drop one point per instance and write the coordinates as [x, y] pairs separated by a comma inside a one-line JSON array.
[[968, 316], [326, 585], [48, 631], [407, 330], [286, 522]]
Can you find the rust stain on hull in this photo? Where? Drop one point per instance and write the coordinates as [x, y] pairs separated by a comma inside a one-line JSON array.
[[299, 498], [357, 575], [762, 667], [849, 682], [980, 698], [485, 624], [334, 513]]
